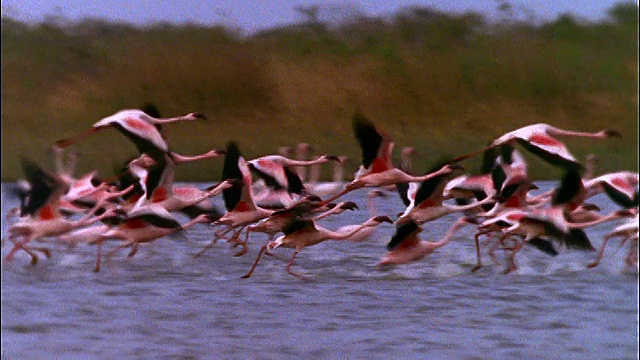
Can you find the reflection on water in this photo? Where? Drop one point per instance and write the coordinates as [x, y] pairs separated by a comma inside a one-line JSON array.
[[163, 303]]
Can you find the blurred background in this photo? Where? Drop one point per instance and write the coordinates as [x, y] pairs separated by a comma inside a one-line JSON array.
[[446, 79]]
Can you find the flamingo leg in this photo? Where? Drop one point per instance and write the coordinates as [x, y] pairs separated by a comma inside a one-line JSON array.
[[601, 252], [255, 263], [478, 253], [217, 236], [17, 245], [133, 251], [245, 247], [288, 269], [632, 258], [512, 259], [98, 256], [46, 252]]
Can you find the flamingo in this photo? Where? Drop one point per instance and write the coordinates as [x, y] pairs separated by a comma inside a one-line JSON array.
[[427, 202], [405, 246], [627, 231], [335, 209], [305, 232], [281, 219], [239, 201], [40, 214], [364, 233], [620, 186], [274, 170], [553, 222], [539, 139], [138, 126], [376, 169], [142, 225]]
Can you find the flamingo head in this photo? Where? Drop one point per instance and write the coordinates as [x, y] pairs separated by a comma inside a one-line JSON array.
[[349, 205], [376, 220], [195, 116], [610, 133], [354, 185], [144, 161], [330, 158], [376, 193]]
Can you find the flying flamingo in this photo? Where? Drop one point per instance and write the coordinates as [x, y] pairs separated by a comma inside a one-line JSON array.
[[364, 233], [376, 169], [405, 246], [40, 214], [620, 186], [334, 209], [305, 232], [142, 225], [427, 202], [139, 127], [552, 222], [275, 171], [281, 219], [239, 202], [539, 139], [627, 231]]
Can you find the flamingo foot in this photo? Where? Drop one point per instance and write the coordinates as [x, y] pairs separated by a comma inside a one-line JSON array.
[[204, 249], [476, 268], [34, 260], [593, 264]]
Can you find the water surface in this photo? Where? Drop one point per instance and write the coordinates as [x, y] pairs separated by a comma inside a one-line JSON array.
[[164, 304]]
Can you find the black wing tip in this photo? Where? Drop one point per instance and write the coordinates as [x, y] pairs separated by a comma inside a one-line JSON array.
[[403, 230], [150, 109]]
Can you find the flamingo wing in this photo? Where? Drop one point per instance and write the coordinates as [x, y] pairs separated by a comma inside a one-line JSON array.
[[154, 215], [144, 136], [619, 186], [551, 151], [297, 225], [402, 235], [231, 170], [43, 186], [368, 137], [271, 171], [543, 245]]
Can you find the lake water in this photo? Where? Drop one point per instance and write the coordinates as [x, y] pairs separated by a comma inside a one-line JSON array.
[[165, 304]]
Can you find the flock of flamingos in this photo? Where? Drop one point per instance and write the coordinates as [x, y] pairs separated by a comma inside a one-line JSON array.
[[272, 195]]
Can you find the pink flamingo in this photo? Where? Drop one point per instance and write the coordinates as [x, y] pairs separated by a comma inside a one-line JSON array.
[[239, 202], [41, 215], [405, 246], [620, 186], [552, 222], [540, 140], [627, 231], [142, 225], [365, 233], [305, 232], [377, 169], [427, 202]]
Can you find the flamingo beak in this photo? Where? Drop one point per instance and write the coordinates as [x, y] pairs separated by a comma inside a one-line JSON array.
[[198, 116], [613, 133]]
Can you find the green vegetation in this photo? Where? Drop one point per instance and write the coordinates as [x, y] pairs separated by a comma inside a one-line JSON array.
[[446, 84]]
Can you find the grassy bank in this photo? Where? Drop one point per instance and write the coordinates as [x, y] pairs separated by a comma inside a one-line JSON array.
[[446, 84]]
